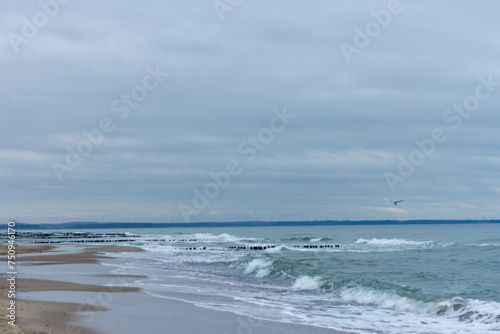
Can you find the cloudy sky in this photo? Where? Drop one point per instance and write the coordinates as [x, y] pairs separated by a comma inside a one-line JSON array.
[[248, 110]]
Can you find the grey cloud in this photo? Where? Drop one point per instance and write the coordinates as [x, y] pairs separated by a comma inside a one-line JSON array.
[[353, 120]]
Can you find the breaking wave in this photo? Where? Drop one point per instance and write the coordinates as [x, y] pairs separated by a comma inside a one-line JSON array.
[[306, 283], [465, 310], [260, 267], [391, 242]]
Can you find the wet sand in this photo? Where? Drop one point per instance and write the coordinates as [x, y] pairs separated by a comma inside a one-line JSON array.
[[52, 317]]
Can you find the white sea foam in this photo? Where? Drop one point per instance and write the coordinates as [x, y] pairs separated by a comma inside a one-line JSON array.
[[387, 299], [482, 245], [224, 237], [260, 267], [463, 310], [391, 242], [159, 248], [472, 310], [306, 283], [203, 237], [391, 245], [275, 249]]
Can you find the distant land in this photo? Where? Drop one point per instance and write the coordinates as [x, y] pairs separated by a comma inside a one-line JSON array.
[[109, 225]]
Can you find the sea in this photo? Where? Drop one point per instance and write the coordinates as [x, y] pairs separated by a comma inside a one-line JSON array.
[[389, 279]]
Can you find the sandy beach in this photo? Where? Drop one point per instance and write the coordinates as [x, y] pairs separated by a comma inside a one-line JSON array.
[[84, 301], [52, 317]]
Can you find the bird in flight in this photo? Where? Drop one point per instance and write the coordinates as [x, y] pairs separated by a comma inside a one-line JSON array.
[[394, 202]]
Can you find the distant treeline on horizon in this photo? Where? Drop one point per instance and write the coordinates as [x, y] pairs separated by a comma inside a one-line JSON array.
[[89, 225]]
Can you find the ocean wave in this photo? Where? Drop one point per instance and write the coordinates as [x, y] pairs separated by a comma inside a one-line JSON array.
[[306, 283], [224, 237], [207, 238], [463, 310], [320, 239], [276, 249], [156, 248], [375, 244], [471, 310], [387, 299], [306, 239], [483, 245], [260, 267], [391, 242]]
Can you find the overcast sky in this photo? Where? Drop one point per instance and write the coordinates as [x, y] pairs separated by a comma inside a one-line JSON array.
[[249, 110]]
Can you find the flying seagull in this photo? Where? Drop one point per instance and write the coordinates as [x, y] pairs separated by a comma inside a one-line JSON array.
[[394, 202]]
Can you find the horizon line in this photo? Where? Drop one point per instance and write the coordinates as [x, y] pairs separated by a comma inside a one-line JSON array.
[[268, 222]]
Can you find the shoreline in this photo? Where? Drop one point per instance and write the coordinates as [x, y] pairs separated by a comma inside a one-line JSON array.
[[45, 305], [32, 316]]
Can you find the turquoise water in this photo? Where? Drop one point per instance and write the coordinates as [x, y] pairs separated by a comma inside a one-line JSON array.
[[381, 279]]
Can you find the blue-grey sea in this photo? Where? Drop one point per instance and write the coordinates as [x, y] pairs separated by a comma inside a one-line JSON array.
[[380, 279]]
